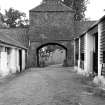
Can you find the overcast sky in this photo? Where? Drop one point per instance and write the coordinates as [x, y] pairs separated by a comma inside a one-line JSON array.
[[95, 8]]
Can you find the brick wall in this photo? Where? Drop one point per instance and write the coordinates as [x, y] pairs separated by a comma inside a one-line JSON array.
[[51, 26], [48, 27]]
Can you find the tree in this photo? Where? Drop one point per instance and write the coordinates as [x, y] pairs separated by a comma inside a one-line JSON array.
[[79, 6], [14, 18]]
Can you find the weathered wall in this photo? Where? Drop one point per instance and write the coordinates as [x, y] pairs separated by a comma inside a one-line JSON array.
[[13, 60], [70, 53], [51, 26], [32, 55]]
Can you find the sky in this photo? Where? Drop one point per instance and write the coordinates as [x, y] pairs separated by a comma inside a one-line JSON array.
[[95, 8]]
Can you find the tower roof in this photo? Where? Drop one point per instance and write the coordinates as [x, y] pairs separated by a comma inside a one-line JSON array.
[[52, 6], [51, 0]]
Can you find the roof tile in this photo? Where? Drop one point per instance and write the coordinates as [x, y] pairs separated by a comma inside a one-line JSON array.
[[15, 37], [82, 26]]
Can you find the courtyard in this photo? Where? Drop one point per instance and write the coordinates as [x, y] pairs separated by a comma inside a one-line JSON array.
[[53, 85]]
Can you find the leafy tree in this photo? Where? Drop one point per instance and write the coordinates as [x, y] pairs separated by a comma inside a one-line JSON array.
[[79, 6], [23, 23], [14, 18], [2, 25]]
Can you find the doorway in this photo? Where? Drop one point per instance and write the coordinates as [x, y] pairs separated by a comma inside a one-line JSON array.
[[95, 54], [20, 60], [51, 54]]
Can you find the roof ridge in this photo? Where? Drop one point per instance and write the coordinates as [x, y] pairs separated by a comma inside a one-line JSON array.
[[52, 7]]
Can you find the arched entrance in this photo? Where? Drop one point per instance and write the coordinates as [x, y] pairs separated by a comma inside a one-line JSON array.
[[50, 54]]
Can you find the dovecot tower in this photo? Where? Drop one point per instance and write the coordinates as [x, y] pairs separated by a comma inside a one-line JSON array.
[[51, 22]]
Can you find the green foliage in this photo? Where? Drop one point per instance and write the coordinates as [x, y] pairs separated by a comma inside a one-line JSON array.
[[79, 6], [14, 18]]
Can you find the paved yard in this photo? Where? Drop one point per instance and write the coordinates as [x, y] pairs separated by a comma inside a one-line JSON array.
[[46, 86]]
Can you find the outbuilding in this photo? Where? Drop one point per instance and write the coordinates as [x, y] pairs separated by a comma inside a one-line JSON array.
[[89, 49], [12, 52], [87, 46]]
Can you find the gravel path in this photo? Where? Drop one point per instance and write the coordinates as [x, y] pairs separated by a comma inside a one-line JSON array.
[[46, 86]]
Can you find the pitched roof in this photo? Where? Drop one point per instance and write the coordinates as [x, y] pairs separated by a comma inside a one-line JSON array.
[[52, 6], [15, 37], [82, 26]]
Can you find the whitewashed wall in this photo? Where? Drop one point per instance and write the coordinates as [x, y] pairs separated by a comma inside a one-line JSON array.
[[89, 52], [17, 60], [4, 70], [13, 60], [9, 60]]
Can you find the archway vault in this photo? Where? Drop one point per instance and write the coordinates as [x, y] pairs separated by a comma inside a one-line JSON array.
[[47, 44], [36, 45], [51, 43]]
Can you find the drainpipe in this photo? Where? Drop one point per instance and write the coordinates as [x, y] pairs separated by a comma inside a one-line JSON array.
[[74, 52]]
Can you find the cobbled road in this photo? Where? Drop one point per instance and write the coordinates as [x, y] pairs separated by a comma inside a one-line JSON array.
[[53, 85]]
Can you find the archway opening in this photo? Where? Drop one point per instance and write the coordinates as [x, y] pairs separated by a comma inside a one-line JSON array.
[[51, 54]]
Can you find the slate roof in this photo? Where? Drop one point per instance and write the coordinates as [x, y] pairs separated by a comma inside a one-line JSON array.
[[15, 37], [51, 7], [82, 26]]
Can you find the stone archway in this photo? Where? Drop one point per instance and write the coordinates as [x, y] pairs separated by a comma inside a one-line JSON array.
[[59, 49]]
